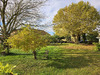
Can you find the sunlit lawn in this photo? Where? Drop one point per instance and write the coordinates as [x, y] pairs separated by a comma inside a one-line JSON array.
[[65, 59]]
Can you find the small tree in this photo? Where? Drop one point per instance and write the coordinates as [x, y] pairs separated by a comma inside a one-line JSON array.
[[28, 39]]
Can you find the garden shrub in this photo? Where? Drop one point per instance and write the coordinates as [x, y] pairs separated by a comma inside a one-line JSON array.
[[97, 46], [7, 69]]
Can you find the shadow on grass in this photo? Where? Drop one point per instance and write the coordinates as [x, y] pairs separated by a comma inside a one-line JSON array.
[[70, 62], [58, 44], [14, 54]]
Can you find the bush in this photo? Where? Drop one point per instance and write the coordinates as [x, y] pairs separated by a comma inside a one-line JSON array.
[[7, 69], [92, 37], [97, 46]]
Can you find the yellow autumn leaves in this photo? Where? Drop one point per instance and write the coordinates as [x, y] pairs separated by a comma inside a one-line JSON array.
[[27, 39]]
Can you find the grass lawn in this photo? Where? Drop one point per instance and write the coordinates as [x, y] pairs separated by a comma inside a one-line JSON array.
[[65, 59]]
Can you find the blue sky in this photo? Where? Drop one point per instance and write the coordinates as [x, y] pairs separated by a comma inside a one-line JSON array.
[[52, 6]]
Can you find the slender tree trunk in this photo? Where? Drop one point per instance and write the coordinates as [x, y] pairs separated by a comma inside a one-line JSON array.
[[34, 52]]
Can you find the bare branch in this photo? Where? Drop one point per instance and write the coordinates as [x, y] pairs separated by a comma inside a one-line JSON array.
[[15, 13]]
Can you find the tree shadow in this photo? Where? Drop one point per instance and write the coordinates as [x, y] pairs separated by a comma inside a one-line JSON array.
[[14, 54], [70, 62], [56, 44]]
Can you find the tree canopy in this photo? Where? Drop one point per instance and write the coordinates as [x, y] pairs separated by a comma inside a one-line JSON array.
[[76, 19]]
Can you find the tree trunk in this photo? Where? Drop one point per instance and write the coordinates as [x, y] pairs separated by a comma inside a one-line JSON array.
[[73, 38], [77, 38], [6, 47], [34, 52]]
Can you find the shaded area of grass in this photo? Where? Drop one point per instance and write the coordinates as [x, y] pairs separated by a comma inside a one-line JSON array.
[[61, 61], [71, 62]]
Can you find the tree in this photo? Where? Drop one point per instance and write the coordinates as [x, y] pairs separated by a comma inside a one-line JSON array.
[[92, 37], [28, 39], [15, 13], [76, 19], [56, 39]]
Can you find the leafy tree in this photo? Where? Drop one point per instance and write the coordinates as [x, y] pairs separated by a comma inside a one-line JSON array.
[[53, 39], [76, 19], [56, 39], [14, 13], [92, 37], [28, 39]]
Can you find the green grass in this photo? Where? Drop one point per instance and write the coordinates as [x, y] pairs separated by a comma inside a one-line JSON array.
[[65, 59]]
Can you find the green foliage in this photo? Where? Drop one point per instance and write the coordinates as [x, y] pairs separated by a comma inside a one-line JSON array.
[[97, 46], [28, 39], [92, 37], [7, 69], [76, 19], [1, 48], [56, 39]]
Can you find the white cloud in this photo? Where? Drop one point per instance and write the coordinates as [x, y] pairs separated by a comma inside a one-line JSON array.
[[51, 8]]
